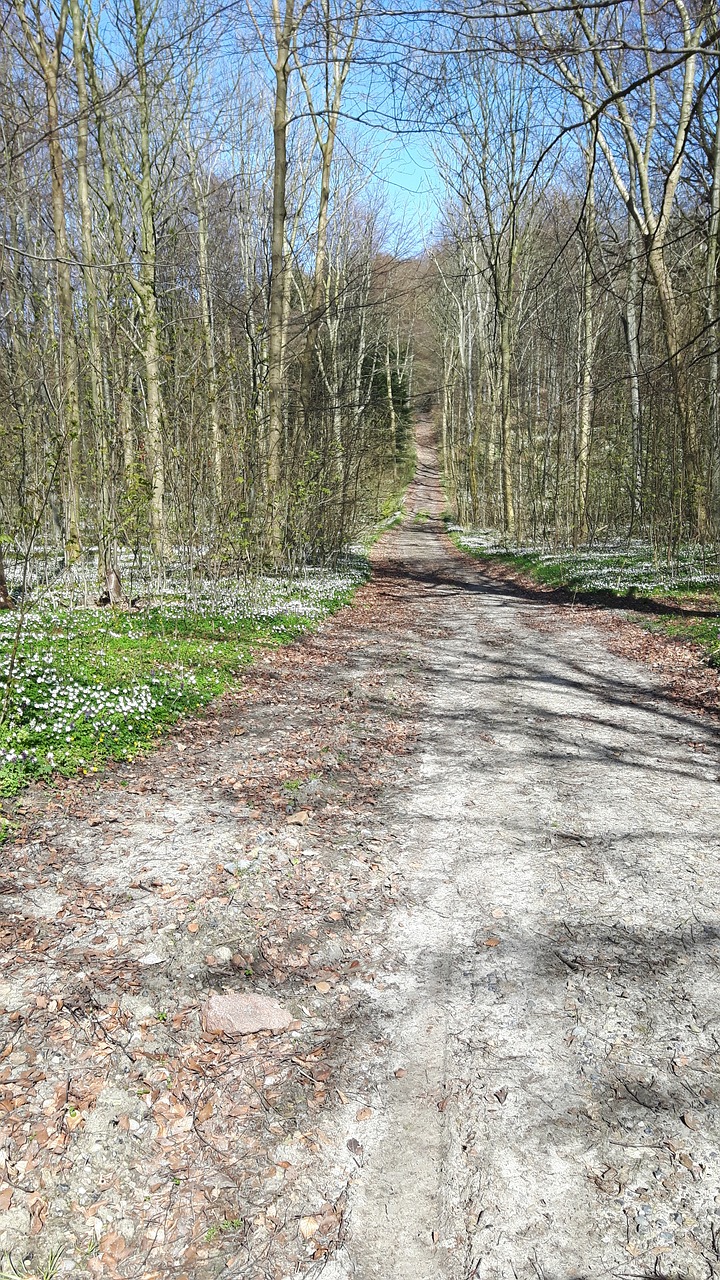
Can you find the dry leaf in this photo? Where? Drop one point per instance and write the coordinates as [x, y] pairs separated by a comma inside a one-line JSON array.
[[308, 1227], [193, 926], [6, 1196], [73, 1119], [364, 1113], [204, 1112], [400, 1073], [323, 987], [492, 942], [298, 819], [689, 1120], [342, 1096], [501, 1094], [355, 1150]]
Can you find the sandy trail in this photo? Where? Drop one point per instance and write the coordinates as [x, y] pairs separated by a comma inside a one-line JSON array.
[[501, 948], [552, 973]]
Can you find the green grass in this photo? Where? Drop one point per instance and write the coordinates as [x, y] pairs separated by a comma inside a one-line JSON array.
[[634, 570], [702, 631], [90, 685], [627, 576]]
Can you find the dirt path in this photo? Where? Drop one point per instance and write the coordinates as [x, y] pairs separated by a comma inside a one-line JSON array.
[[476, 855]]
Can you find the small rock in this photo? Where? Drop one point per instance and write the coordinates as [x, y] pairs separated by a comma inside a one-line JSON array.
[[223, 955], [151, 958], [240, 1015]]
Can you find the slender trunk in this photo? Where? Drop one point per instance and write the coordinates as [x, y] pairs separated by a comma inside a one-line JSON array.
[[694, 510], [209, 342], [315, 311], [278, 269], [69, 365], [712, 287], [91, 299], [391, 405], [506, 451], [586, 356], [125, 423], [148, 298], [6, 601], [633, 343]]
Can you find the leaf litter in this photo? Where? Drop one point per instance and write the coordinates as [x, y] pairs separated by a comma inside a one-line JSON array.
[[240, 861]]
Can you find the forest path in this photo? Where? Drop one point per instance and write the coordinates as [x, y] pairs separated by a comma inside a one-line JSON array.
[[552, 992], [475, 856]]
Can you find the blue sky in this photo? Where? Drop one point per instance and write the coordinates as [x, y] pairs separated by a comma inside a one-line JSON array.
[[407, 174]]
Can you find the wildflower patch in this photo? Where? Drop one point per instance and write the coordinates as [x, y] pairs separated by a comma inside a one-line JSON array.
[[80, 684]]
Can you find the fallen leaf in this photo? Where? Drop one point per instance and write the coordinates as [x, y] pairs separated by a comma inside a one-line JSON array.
[[308, 1227], [364, 1113], [6, 1196], [193, 926], [355, 1149], [298, 819], [342, 1096], [501, 1094], [689, 1120], [400, 1073], [492, 942], [323, 987], [203, 1113]]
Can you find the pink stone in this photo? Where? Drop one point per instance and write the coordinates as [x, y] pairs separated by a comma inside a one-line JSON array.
[[240, 1015]]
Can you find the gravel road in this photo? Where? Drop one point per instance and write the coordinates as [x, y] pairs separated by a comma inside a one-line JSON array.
[[551, 970]]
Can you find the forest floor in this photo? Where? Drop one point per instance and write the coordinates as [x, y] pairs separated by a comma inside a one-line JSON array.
[[472, 851]]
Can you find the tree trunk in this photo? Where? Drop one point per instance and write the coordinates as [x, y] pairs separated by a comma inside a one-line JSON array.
[[506, 451], [5, 599], [209, 343], [68, 390], [148, 297], [712, 287], [278, 268], [91, 300], [586, 357], [694, 507]]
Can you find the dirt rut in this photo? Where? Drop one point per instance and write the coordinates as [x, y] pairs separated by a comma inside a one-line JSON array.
[[552, 997]]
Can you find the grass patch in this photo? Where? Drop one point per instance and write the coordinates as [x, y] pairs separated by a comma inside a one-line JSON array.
[[90, 685], [630, 576], [702, 631], [632, 570]]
